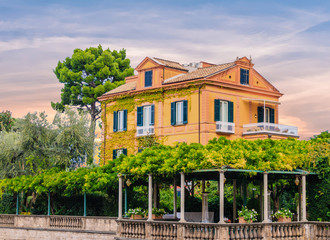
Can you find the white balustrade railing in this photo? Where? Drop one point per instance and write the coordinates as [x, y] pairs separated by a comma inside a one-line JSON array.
[[156, 230], [225, 127], [270, 128], [65, 222], [145, 130]]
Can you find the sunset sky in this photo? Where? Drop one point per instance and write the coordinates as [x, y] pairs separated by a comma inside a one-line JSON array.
[[289, 42]]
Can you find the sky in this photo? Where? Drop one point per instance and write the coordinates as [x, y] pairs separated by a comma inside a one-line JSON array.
[[287, 40]]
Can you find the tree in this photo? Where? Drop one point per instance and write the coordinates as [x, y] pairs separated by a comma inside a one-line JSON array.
[[6, 121], [87, 75]]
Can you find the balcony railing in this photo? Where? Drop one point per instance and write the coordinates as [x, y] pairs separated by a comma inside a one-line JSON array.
[[270, 128], [145, 130], [225, 127]]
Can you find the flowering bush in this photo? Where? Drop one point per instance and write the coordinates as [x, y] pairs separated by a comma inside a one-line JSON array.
[[248, 215], [158, 211], [136, 211], [284, 213]]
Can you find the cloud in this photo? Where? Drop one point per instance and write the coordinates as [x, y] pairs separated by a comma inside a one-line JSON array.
[[289, 46]]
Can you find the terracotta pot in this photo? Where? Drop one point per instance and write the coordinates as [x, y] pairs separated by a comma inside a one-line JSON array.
[[136, 217], [157, 217], [284, 219], [242, 220]]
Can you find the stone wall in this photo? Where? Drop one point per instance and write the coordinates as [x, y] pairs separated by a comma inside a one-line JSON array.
[[56, 227]]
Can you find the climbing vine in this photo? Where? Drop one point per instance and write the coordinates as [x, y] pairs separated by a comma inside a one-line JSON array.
[[130, 102]]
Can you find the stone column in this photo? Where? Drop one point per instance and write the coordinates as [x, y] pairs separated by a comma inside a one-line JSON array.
[[261, 208], [303, 202], [221, 197], [234, 200], [150, 198], [182, 219], [174, 199], [265, 197], [120, 197]]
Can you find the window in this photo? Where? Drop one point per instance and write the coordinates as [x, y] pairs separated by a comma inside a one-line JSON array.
[[179, 112], [223, 111], [269, 115], [117, 152], [146, 116], [148, 79], [120, 121], [244, 76]]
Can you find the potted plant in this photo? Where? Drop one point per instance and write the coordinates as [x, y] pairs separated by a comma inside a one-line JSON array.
[[136, 213], [283, 215], [157, 213], [246, 215]]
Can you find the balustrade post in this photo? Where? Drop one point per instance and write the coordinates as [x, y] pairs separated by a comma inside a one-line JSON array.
[[120, 197], [182, 219], [265, 197], [267, 232], [303, 204], [222, 233], [150, 198], [148, 230], [180, 232]]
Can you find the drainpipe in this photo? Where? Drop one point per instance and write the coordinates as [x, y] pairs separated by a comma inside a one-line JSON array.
[[199, 113]]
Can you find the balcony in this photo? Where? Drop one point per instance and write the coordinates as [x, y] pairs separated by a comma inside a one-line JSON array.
[[225, 127], [145, 131], [270, 128]]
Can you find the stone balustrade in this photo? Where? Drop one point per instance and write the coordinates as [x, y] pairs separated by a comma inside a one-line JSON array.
[[154, 230], [105, 224]]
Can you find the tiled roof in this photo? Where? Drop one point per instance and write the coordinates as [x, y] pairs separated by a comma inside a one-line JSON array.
[[200, 73], [123, 88], [170, 64]]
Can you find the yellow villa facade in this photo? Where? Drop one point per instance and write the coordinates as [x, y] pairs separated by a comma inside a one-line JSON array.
[[190, 103]]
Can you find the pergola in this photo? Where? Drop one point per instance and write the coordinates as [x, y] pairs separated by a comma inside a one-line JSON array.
[[221, 175]]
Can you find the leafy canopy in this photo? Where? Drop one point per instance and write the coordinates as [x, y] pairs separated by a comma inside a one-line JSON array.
[[88, 74]]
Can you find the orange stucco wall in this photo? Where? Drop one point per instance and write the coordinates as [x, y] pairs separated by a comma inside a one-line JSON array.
[[224, 86]]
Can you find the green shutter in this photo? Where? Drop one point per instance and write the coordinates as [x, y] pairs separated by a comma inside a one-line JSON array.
[[125, 151], [260, 114], [247, 76], [185, 112], [115, 121], [114, 154], [216, 110], [125, 120], [272, 115], [152, 117], [173, 113], [230, 111], [139, 116]]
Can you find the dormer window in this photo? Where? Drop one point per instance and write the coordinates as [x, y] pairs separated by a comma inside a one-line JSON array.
[[244, 76], [148, 79]]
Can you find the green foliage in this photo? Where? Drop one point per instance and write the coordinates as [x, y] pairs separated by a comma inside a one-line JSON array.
[[7, 204], [165, 162], [6, 121], [247, 214], [36, 145], [284, 213]]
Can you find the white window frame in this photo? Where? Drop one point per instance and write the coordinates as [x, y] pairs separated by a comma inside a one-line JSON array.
[[120, 121], [119, 152], [224, 114], [179, 113], [146, 121], [267, 116]]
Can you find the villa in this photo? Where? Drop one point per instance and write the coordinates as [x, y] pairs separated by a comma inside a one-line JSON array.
[[193, 102]]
